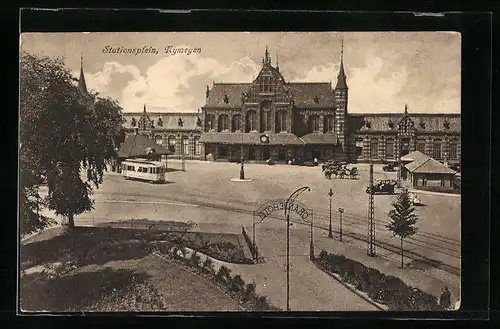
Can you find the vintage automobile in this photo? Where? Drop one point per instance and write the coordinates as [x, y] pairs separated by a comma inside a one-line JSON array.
[[390, 166], [383, 187]]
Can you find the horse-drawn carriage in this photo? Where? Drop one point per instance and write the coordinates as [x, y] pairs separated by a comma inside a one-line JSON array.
[[385, 186], [339, 169]]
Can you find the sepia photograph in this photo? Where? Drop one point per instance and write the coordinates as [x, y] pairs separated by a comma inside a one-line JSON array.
[[239, 172]]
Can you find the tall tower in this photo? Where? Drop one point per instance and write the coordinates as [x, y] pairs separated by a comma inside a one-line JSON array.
[[341, 95], [82, 86]]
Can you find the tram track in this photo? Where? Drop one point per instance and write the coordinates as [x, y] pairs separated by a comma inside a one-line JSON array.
[[239, 207]]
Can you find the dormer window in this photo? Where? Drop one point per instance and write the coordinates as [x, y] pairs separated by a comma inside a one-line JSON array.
[[180, 123], [316, 99], [368, 124], [446, 124], [390, 124], [159, 123], [133, 123], [422, 124], [226, 98]]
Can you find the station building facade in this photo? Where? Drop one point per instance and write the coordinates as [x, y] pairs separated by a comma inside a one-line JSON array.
[[178, 132], [272, 118]]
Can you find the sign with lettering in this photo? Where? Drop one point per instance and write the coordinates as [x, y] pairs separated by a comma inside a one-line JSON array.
[[279, 204]]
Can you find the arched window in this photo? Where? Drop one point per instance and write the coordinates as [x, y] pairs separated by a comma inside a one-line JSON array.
[[328, 123], [133, 122], [251, 121], [453, 150], [160, 122], [266, 122], [236, 123], [436, 149], [223, 122], [185, 145], [209, 122], [266, 84], [171, 143], [280, 121], [313, 123], [389, 147], [421, 146], [196, 145], [374, 148]]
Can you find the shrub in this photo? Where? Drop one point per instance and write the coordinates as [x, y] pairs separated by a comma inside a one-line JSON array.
[[249, 291], [208, 266], [223, 274], [238, 284], [388, 290], [195, 259]]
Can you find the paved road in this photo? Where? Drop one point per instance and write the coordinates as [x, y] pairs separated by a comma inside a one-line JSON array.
[[207, 197]]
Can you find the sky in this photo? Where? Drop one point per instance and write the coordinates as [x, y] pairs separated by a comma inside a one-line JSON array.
[[385, 70]]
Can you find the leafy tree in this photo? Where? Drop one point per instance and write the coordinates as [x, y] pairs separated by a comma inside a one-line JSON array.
[[62, 131], [402, 219]]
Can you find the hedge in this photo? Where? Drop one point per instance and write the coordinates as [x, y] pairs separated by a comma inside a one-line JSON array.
[[253, 248], [235, 286], [384, 289]]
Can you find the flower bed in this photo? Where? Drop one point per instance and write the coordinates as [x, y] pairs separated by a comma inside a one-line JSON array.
[[388, 290], [87, 243], [235, 286]]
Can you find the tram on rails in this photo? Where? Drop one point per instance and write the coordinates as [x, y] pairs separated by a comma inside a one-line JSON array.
[[144, 170]]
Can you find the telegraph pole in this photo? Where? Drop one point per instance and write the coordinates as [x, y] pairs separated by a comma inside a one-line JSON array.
[[399, 164], [371, 215]]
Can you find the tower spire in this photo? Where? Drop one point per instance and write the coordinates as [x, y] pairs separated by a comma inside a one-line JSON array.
[[82, 86], [341, 78], [406, 109], [144, 108], [277, 62], [267, 59]]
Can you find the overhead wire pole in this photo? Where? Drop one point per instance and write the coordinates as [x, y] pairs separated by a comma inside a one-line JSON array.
[[371, 215]]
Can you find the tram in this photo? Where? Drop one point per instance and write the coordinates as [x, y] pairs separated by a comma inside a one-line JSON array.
[[143, 169]]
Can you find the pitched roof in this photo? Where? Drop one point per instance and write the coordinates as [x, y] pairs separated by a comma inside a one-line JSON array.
[[136, 145], [304, 94], [169, 120], [320, 138], [232, 90], [252, 138], [414, 156], [429, 166], [430, 122]]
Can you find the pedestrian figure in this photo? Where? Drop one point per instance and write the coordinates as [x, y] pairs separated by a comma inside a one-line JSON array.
[[445, 299]]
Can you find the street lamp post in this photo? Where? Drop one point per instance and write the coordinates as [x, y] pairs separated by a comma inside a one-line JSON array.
[[242, 170], [330, 234], [292, 197], [341, 210]]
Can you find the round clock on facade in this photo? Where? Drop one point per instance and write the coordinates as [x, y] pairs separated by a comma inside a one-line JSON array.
[[264, 139]]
